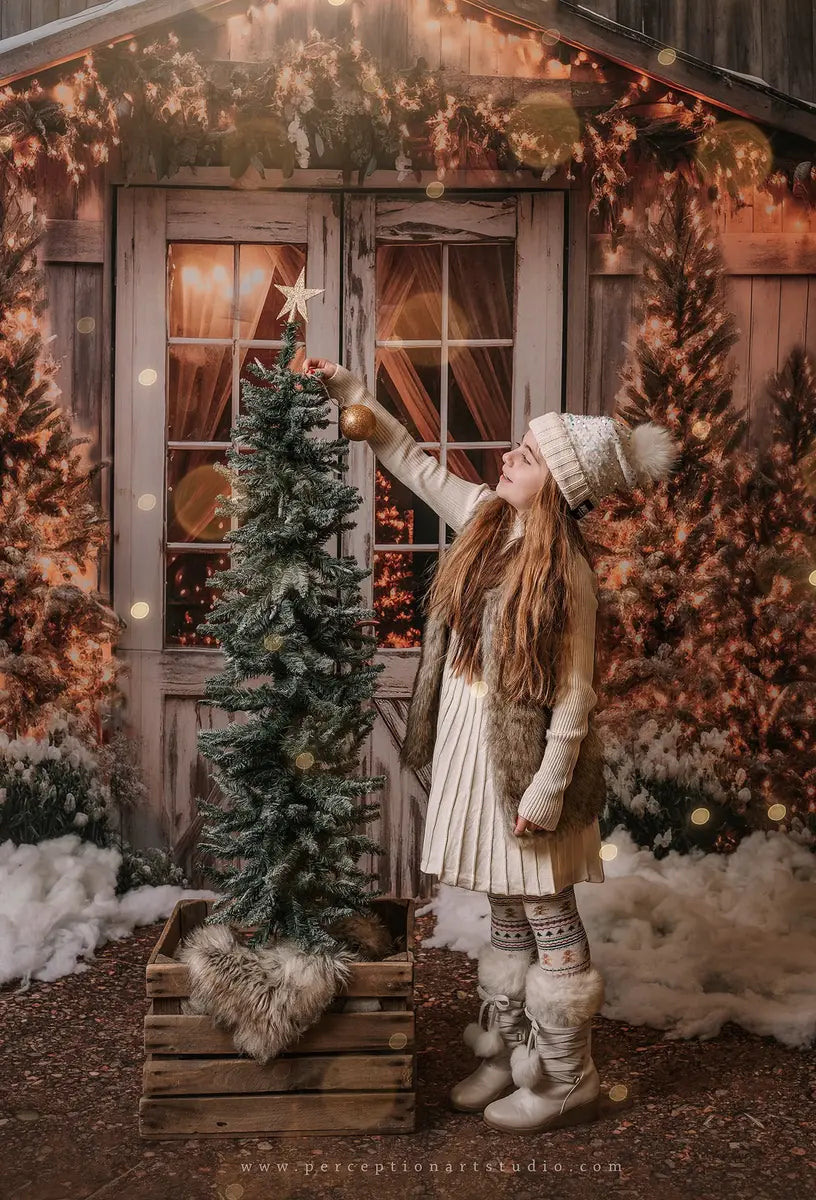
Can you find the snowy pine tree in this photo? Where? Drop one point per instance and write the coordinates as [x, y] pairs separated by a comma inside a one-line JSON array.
[[297, 663]]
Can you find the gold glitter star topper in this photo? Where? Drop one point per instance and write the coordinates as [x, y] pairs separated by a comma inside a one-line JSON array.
[[297, 296]]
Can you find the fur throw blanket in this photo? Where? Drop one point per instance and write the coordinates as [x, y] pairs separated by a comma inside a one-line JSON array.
[[268, 997]]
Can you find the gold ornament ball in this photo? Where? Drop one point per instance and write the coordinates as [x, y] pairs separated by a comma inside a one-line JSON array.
[[357, 422]]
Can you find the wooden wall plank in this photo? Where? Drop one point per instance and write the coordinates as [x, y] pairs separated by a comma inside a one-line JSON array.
[[738, 293], [765, 333]]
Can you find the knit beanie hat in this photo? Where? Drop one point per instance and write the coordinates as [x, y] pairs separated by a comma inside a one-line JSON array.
[[593, 456]]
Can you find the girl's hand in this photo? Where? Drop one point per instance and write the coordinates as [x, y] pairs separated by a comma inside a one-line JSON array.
[[523, 826], [319, 366]]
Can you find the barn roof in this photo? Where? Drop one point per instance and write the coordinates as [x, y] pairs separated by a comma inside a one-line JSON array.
[[114, 20]]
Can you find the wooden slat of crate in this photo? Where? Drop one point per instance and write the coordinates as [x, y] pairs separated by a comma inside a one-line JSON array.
[[168, 1034], [315, 1112], [365, 979], [307, 1072]]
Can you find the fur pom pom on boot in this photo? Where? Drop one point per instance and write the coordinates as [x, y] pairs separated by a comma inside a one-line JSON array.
[[265, 997], [557, 1081], [501, 1026], [568, 1001]]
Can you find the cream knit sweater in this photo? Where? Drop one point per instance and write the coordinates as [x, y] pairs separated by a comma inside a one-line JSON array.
[[454, 499]]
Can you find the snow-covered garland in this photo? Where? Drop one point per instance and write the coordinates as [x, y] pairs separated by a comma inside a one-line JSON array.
[[327, 103]]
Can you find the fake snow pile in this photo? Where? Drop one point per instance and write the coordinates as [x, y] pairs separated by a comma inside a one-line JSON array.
[[688, 942], [58, 903]]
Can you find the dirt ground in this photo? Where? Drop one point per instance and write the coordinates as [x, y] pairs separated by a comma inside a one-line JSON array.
[[731, 1117]]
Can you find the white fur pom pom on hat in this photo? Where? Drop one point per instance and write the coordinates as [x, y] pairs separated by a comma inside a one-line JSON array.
[[653, 450], [593, 456]]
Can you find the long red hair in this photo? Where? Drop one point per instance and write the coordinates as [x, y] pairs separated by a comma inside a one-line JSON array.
[[539, 574]]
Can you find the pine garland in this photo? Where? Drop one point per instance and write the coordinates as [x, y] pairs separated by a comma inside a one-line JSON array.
[[329, 103]]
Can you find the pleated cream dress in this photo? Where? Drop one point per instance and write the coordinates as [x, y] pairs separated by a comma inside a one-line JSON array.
[[468, 841]]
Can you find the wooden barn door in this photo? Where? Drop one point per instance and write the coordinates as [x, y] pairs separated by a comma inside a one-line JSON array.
[[453, 315], [195, 303]]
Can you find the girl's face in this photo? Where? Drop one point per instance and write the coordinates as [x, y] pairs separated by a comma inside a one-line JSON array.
[[524, 473]]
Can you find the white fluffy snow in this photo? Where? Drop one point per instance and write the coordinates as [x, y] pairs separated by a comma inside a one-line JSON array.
[[58, 904], [688, 942]]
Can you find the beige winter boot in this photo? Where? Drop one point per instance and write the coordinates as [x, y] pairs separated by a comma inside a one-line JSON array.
[[502, 1026], [557, 1081]]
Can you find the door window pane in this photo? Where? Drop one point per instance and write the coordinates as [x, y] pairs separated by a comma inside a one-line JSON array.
[[409, 292], [486, 309], [480, 383], [259, 301], [408, 385], [401, 579], [400, 516], [188, 597], [193, 486], [199, 393], [200, 287]]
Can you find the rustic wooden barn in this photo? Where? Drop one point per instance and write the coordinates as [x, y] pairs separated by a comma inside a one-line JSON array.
[[538, 308]]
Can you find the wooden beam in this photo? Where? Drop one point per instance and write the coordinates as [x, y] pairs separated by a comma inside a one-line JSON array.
[[592, 32], [71, 37], [743, 254], [74, 242]]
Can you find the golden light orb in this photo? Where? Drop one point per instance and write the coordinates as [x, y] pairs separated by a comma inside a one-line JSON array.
[[86, 325], [148, 377], [667, 56], [618, 1092], [139, 610], [273, 641], [700, 816], [479, 687], [608, 851], [304, 760], [146, 502], [435, 189], [542, 129], [777, 812]]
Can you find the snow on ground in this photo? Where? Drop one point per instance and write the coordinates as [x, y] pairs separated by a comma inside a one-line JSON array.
[[58, 904], [688, 942]]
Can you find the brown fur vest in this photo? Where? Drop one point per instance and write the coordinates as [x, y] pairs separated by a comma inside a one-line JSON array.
[[516, 733]]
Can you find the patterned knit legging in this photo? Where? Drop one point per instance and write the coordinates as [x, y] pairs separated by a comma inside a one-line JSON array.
[[550, 924]]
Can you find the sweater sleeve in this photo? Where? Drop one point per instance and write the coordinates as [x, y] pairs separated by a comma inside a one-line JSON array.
[[452, 497], [574, 700]]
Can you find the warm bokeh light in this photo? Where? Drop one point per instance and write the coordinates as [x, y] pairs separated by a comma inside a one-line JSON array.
[[146, 502], [777, 812], [543, 129], [435, 189], [304, 760], [700, 816], [139, 610], [608, 851], [148, 377]]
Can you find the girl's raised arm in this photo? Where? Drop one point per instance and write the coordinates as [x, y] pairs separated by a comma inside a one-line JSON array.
[[569, 722], [452, 497]]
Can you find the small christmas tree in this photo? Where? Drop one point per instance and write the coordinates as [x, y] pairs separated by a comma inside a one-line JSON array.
[[56, 631], [297, 663]]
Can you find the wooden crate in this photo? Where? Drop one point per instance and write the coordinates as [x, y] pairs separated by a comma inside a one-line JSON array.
[[352, 1072]]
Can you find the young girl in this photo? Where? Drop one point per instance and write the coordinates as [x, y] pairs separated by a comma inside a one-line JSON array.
[[504, 694]]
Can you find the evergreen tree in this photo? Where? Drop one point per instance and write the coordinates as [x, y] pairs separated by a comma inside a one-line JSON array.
[[56, 631], [297, 663], [709, 619], [765, 577]]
